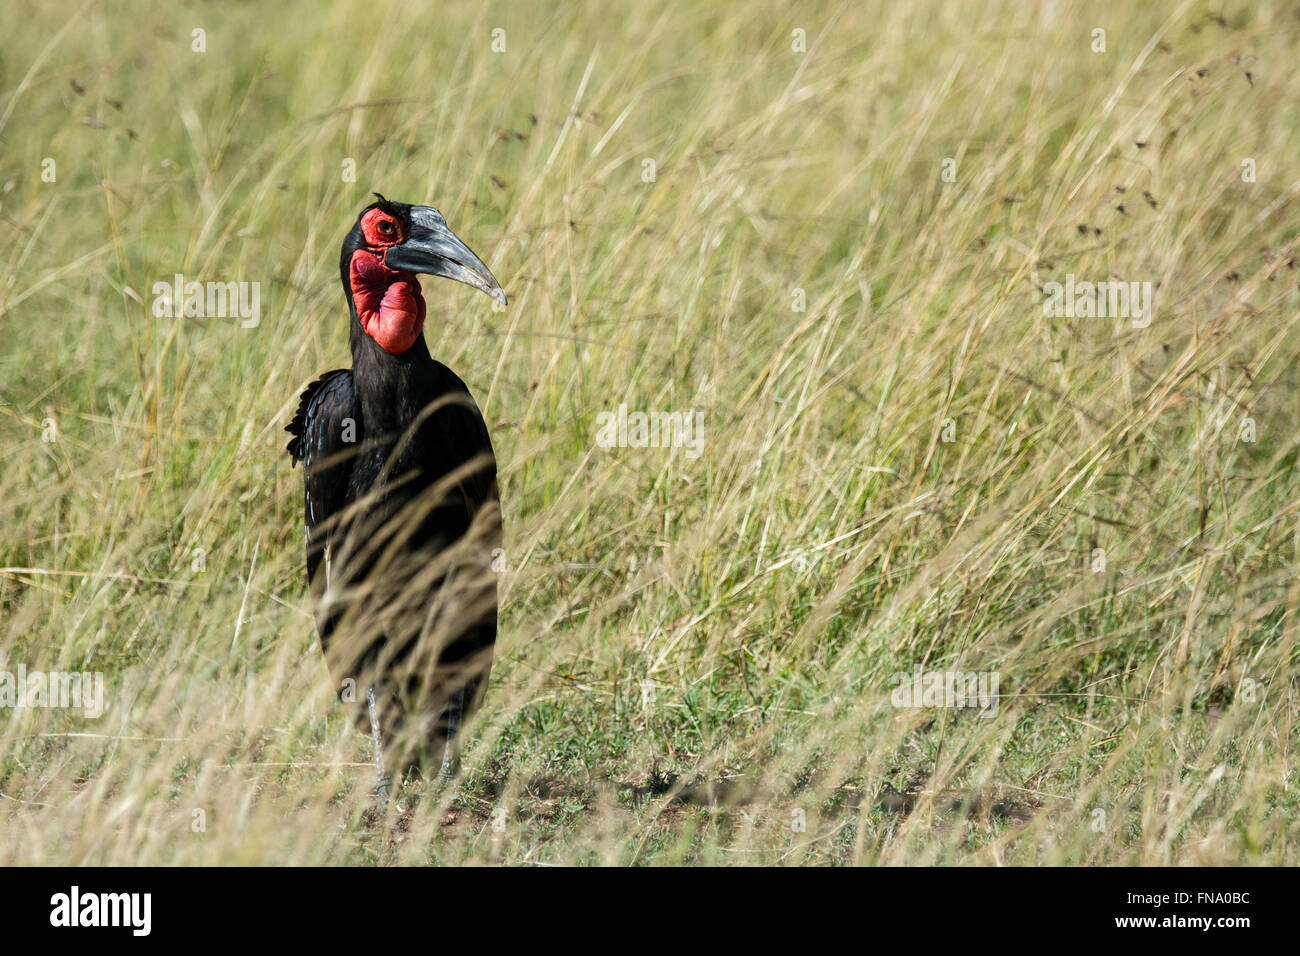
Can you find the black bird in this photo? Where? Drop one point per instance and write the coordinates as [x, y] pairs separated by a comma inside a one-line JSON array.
[[403, 519]]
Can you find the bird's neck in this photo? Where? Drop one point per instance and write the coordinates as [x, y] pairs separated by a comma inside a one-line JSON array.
[[393, 389]]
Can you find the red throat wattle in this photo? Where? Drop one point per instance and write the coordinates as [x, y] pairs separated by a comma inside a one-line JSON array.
[[388, 302]]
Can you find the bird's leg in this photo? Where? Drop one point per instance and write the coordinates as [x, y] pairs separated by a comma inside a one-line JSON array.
[[381, 778], [450, 756]]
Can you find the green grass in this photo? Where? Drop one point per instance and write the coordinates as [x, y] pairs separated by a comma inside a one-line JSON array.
[[696, 654]]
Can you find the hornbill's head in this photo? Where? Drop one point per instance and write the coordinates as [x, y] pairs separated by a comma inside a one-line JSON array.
[[389, 244]]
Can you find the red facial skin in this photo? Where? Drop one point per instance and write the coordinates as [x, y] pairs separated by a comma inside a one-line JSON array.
[[388, 302]]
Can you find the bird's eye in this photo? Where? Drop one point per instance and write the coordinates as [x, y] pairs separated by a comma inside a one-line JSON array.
[[386, 228]]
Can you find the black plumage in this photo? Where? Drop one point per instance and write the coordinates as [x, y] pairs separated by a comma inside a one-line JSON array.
[[400, 493]]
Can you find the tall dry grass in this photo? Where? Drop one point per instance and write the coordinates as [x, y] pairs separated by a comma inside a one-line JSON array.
[[697, 655]]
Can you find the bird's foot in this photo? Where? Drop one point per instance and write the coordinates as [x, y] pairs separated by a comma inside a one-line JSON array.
[[454, 714], [448, 771], [383, 781]]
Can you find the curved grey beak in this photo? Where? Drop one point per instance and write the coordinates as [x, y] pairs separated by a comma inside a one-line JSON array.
[[433, 249]]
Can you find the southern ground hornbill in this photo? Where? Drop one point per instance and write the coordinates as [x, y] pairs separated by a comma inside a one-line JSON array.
[[401, 500]]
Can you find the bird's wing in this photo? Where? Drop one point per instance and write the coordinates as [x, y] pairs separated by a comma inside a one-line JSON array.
[[326, 434], [459, 428]]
